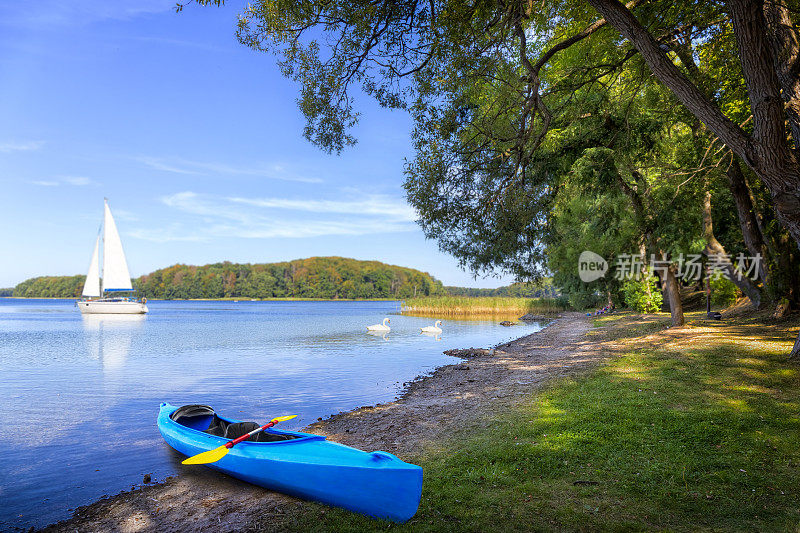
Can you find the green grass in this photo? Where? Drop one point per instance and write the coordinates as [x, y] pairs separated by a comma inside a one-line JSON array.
[[628, 324], [481, 305], [690, 436]]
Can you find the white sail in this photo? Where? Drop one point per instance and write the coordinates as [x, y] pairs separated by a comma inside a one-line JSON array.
[[92, 285], [115, 268]]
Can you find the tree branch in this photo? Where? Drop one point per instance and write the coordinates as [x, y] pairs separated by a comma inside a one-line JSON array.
[[666, 71]]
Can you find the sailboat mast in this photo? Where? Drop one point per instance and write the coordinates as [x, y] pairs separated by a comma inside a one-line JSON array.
[[102, 239]]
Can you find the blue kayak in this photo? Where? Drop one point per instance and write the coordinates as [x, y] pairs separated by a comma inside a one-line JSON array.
[[376, 484]]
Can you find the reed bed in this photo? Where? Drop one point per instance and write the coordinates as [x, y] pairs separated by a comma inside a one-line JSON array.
[[478, 306]]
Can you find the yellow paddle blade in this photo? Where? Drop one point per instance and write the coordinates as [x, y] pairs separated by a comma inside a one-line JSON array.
[[216, 454], [207, 457]]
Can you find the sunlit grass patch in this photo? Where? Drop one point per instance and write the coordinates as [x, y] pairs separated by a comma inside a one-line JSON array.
[[755, 388], [627, 369], [626, 324], [751, 361]]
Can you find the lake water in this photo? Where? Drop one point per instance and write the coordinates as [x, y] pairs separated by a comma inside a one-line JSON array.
[[79, 394]]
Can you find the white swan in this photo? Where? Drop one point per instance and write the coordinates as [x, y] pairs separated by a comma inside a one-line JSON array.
[[432, 329], [380, 327]]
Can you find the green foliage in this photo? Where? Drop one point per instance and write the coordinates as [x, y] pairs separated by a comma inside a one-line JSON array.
[[315, 277], [50, 287], [583, 220], [642, 295], [9, 291], [543, 288], [723, 291], [581, 298], [327, 79]]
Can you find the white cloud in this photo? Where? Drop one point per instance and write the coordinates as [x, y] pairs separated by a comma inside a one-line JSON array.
[[371, 204], [159, 164], [265, 218], [20, 146], [77, 181], [173, 233], [193, 203], [179, 165]]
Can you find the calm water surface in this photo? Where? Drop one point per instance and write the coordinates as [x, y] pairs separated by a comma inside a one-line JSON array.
[[79, 394]]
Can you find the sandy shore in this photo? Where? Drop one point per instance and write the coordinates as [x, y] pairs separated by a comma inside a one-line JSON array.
[[458, 395]]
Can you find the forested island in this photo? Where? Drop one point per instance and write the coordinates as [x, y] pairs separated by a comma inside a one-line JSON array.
[[315, 277]]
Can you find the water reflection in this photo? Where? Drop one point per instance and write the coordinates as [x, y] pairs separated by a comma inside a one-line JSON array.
[[108, 338], [382, 334], [80, 376], [435, 336]]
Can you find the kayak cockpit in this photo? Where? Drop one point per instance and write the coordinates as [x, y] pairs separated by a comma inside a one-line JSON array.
[[203, 418]]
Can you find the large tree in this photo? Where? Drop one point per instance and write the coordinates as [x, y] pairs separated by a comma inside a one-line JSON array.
[[490, 113]]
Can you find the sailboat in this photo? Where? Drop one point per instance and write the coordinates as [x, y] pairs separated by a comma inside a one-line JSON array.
[[108, 298]]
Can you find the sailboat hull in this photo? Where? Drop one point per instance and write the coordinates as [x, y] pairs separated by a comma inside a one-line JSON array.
[[112, 308]]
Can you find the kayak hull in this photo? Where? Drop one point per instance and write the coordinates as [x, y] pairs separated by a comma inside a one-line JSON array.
[[376, 484]]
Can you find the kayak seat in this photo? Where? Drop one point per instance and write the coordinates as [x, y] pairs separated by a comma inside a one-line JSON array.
[[203, 418], [236, 430]]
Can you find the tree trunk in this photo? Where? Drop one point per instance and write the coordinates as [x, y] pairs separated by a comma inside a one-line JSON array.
[[785, 43], [785, 278], [713, 247], [767, 152], [751, 229], [673, 293], [773, 160], [795, 353]]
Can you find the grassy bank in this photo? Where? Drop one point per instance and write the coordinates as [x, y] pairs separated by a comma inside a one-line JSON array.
[[468, 306], [686, 429]]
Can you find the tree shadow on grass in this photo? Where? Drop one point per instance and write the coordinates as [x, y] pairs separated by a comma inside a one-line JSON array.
[[679, 438]]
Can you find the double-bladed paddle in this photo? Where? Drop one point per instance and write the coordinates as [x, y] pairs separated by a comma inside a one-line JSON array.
[[218, 453]]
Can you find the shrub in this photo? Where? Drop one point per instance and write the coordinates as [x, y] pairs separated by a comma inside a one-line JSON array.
[[723, 291], [584, 300], [642, 295]]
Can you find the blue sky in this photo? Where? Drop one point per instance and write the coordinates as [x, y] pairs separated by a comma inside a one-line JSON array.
[[196, 141]]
